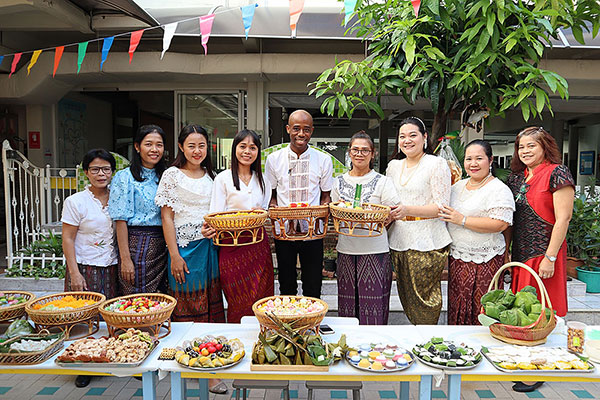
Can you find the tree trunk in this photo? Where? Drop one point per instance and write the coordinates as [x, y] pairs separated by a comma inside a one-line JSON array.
[[438, 129]]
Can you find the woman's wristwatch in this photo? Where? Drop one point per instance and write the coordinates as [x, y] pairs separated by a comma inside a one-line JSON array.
[[550, 258]]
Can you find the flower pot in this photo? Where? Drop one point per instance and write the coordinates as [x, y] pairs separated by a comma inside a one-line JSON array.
[[329, 264], [591, 278], [572, 264]]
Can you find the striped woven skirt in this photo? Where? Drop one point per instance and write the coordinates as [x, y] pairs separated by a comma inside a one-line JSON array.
[[199, 298], [149, 254], [98, 279]]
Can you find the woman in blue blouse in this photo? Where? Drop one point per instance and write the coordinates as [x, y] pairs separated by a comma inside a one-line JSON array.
[[142, 248]]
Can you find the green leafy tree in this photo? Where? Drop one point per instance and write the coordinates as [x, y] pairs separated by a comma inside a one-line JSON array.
[[456, 53]]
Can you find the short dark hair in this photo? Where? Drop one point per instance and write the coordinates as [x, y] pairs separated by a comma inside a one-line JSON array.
[[180, 160], [487, 149], [364, 135], [136, 160], [241, 135], [98, 153]]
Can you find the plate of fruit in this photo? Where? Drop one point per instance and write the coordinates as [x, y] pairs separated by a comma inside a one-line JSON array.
[[210, 353], [445, 354], [379, 357]]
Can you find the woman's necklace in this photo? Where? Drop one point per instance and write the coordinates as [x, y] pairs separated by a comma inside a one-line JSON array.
[[480, 184], [246, 179], [414, 170]]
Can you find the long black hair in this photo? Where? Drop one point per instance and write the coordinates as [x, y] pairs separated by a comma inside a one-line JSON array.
[[255, 166], [399, 155], [136, 160], [487, 148], [180, 160], [364, 135]]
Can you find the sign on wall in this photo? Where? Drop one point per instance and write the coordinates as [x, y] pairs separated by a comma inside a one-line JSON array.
[[34, 141], [587, 160]]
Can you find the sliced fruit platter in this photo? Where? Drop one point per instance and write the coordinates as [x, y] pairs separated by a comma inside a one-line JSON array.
[[210, 352], [536, 359], [379, 357], [127, 350], [445, 354]]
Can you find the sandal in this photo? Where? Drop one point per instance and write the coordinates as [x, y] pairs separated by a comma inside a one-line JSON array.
[[525, 388], [219, 388]]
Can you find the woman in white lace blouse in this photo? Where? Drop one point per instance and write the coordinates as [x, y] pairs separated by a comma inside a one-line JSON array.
[[418, 238], [481, 207]]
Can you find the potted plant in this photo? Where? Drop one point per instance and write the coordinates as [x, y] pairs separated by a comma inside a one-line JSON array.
[[329, 263], [583, 240]]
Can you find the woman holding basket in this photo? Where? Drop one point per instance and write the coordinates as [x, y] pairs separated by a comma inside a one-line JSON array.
[[246, 272], [364, 264]]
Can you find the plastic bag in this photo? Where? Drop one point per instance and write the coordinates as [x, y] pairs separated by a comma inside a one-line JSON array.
[[447, 154], [19, 327]]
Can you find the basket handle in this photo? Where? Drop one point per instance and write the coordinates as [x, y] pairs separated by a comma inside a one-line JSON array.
[[543, 292]]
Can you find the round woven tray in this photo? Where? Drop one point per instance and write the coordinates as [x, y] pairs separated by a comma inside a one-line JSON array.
[[232, 228], [154, 320], [530, 335], [18, 310], [369, 220], [300, 322], [311, 220], [15, 357], [66, 319]]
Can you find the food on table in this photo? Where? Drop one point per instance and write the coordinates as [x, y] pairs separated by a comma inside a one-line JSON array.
[[167, 353], [520, 309], [238, 214], [130, 347], [295, 205], [32, 345], [19, 327], [284, 306], [349, 204], [65, 303], [136, 305], [513, 357], [447, 354], [575, 336], [11, 299], [379, 357], [210, 352]]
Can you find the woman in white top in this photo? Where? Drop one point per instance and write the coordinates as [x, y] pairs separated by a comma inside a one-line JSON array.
[[364, 266], [246, 271], [481, 207], [418, 239]]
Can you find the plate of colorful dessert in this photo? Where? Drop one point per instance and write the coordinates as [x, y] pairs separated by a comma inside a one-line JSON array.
[[445, 354], [210, 353], [379, 357]]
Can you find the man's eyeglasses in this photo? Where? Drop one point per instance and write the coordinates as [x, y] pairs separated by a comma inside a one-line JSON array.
[[96, 170], [363, 152], [297, 129]]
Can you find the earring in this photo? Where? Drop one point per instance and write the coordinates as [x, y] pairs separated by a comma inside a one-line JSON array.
[[425, 148], [490, 168]]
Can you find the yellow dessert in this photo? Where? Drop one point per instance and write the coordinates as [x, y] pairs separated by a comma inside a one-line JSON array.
[[526, 366], [563, 365], [547, 366], [374, 354], [377, 366], [352, 353], [406, 356], [579, 364], [508, 365], [364, 363]]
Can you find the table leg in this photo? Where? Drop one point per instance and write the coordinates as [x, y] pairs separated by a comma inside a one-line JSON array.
[[404, 391], [454, 387], [177, 386], [149, 381], [425, 387], [203, 389]]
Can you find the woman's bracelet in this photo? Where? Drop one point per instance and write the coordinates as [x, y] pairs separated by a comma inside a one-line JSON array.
[[464, 221]]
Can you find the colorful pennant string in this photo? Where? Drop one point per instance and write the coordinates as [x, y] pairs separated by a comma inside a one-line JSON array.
[[57, 56], [247, 17], [13, 67], [81, 50], [133, 42], [168, 36], [105, 49], [206, 23], [296, 7], [34, 58], [416, 6], [349, 7]]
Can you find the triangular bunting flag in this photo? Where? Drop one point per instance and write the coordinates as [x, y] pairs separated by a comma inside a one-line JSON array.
[[296, 7], [108, 41], [206, 23], [247, 16], [34, 58], [416, 5], [349, 7], [13, 67], [169, 32], [58, 52], [81, 49], [133, 42]]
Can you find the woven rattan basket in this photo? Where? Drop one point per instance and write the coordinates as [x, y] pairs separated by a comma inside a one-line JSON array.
[[15, 357], [67, 319], [18, 310], [153, 320], [234, 229], [300, 322], [530, 335], [286, 220], [369, 220]]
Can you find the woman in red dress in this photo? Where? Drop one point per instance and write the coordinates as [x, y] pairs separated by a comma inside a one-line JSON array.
[[544, 194]]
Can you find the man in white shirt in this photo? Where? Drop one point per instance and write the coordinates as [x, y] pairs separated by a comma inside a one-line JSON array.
[[299, 174]]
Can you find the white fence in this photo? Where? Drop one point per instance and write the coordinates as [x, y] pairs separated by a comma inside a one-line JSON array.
[[33, 199]]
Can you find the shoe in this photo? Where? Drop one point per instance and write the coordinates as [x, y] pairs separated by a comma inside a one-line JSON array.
[[219, 388], [525, 388], [83, 380]]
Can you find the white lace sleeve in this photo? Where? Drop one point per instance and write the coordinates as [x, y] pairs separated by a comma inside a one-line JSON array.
[[166, 194], [440, 182], [501, 213]]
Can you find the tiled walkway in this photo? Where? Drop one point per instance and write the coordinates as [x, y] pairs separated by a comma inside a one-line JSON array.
[[51, 387]]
